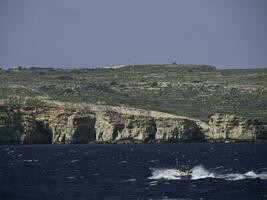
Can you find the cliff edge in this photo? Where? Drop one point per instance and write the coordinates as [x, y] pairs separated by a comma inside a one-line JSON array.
[[63, 124]]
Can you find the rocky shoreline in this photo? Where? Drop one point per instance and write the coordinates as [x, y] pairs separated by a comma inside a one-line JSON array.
[[98, 124]]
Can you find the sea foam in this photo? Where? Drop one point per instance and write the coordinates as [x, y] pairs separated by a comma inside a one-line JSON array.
[[200, 172]]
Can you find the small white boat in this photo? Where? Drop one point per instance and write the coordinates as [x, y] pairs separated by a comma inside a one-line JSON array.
[[182, 171]]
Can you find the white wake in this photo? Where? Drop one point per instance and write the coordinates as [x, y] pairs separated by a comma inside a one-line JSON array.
[[200, 172], [169, 174]]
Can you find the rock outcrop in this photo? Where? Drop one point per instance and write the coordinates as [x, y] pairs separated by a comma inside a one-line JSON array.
[[61, 125], [65, 126], [17, 127], [72, 128], [114, 127], [232, 127], [10, 126], [177, 130]]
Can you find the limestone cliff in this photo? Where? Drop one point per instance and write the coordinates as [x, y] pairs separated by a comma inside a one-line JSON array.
[[173, 130], [232, 127], [72, 128], [65, 125], [10, 126], [16, 127], [114, 127]]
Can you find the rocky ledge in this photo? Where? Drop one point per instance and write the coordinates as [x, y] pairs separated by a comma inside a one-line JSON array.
[[65, 125]]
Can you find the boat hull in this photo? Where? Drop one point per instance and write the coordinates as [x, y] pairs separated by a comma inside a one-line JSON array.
[[182, 174]]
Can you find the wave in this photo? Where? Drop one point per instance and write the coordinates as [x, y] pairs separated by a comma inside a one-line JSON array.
[[129, 180], [168, 174], [200, 172]]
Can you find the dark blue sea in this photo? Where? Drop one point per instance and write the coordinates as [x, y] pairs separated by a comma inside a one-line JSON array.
[[126, 171]]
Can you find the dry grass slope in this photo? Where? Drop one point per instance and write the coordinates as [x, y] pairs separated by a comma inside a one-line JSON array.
[[196, 91]]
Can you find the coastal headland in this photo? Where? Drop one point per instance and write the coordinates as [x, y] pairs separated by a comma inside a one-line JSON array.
[[132, 104]]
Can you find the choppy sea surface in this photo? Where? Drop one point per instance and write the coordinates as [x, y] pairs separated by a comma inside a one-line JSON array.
[[126, 171]]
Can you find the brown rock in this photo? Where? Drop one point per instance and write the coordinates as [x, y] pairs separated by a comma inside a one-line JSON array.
[[232, 127]]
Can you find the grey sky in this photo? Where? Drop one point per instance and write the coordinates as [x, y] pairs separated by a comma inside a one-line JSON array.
[[88, 33]]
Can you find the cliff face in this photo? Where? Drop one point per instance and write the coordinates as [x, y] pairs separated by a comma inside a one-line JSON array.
[[173, 130], [60, 125], [232, 127], [114, 127], [10, 126], [65, 126], [15, 127], [72, 128]]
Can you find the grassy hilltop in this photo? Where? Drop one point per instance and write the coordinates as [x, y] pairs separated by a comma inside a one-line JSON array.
[[191, 90]]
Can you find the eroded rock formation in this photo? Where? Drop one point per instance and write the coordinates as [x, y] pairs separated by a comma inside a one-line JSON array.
[[173, 130], [71, 128], [232, 127], [17, 127], [61, 125], [115, 127], [10, 126]]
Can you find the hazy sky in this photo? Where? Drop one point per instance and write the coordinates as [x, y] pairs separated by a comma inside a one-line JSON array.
[[88, 33]]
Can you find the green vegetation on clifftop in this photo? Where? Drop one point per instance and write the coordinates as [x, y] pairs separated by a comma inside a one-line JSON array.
[[196, 91]]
